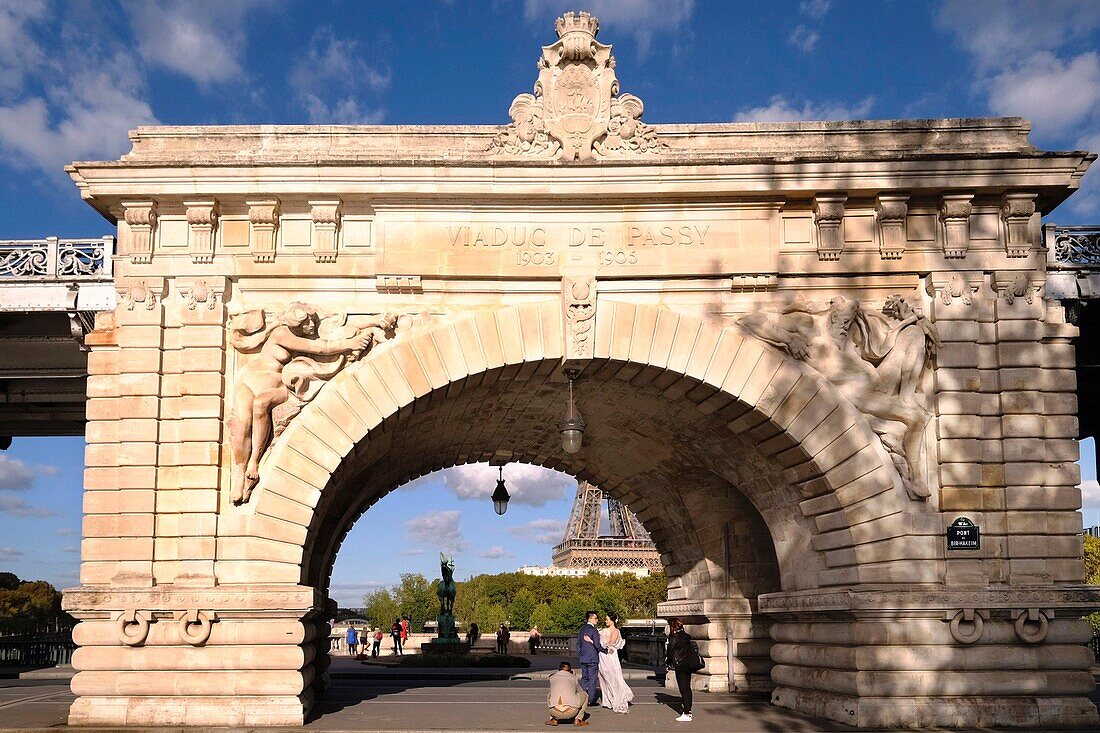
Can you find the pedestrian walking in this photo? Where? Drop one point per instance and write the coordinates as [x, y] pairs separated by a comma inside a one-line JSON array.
[[352, 639], [395, 637], [533, 640], [683, 659], [377, 647]]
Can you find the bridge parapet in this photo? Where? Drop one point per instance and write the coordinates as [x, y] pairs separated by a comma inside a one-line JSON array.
[[1073, 265]]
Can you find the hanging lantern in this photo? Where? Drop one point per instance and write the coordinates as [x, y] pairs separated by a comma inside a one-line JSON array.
[[572, 425], [500, 495]]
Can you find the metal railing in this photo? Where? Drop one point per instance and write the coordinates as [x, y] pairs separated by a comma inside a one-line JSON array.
[[56, 259], [43, 651], [605, 543], [1072, 247]]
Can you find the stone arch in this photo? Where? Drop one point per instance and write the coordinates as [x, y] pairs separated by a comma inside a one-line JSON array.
[[833, 488]]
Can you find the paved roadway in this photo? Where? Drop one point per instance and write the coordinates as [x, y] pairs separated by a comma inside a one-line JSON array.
[[451, 705], [371, 699]]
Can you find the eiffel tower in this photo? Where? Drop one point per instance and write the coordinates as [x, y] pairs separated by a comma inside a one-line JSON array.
[[627, 547]]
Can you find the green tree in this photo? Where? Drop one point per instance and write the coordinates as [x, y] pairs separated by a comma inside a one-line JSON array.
[[521, 608], [416, 598], [1092, 574], [543, 617], [380, 608], [9, 581], [30, 607]]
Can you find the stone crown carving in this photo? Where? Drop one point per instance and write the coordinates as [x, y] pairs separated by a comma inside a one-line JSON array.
[[575, 112]]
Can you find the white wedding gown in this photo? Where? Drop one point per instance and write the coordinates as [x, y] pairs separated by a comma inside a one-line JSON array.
[[615, 693]]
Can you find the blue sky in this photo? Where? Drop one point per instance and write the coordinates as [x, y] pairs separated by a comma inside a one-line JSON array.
[[75, 76]]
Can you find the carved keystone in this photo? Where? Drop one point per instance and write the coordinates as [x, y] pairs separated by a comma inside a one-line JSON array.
[[578, 297]]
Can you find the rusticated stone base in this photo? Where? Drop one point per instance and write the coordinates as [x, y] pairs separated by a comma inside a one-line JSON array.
[[225, 711], [936, 659], [1035, 713]]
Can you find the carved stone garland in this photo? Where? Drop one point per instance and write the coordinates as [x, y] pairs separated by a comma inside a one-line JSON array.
[[574, 113]]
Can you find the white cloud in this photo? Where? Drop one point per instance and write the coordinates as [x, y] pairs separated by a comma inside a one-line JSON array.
[[17, 476], [19, 51], [350, 595], [541, 531], [414, 551], [804, 39], [1055, 95], [16, 506], [10, 553], [996, 33], [1090, 501], [438, 530], [527, 484], [66, 532], [641, 19], [816, 9], [200, 39], [330, 79], [78, 103], [1032, 59], [495, 553], [780, 109]]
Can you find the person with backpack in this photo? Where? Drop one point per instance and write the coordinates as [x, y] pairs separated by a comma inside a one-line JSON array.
[[352, 639], [377, 648], [683, 658], [395, 636]]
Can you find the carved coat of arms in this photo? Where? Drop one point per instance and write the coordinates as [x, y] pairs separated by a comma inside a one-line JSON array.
[[575, 113]]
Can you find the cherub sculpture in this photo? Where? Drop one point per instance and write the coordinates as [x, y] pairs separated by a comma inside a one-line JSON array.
[[878, 361], [298, 352]]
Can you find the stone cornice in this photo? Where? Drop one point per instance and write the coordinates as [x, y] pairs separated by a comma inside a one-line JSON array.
[[1075, 599], [448, 143], [91, 600]]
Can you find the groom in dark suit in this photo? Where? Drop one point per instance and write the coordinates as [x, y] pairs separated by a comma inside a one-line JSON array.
[[588, 649]]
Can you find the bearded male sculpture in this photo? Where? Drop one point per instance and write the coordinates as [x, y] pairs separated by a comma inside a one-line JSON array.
[[298, 352], [876, 360]]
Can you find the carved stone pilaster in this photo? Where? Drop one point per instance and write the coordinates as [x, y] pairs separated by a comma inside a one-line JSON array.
[[263, 218], [579, 307], [202, 219], [890, 213], [1016, 212], [141, 218], [829, 222], [955, 210], [326, 220]]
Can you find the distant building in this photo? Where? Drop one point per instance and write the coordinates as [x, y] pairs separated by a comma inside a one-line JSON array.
[[626, 547], [1093, 531], [555, 571]]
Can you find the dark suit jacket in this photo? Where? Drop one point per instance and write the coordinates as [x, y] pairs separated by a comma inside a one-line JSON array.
[[589, 653]]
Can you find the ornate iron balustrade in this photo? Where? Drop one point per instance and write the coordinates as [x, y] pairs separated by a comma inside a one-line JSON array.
[[1072, 247], [56, 259]]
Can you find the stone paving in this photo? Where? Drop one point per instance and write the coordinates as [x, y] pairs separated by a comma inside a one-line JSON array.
[[372, 699]]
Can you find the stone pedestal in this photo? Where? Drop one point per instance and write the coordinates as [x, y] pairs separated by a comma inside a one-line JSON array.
[[250, 656], [893, 659], [445, 646]]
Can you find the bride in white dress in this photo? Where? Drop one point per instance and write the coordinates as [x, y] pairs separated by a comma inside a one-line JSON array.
[[615, 693]]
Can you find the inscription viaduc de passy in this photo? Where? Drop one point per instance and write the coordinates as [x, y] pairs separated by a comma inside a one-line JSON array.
[[612, 242]]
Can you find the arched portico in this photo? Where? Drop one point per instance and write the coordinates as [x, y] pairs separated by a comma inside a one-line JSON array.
[[804, 351]]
